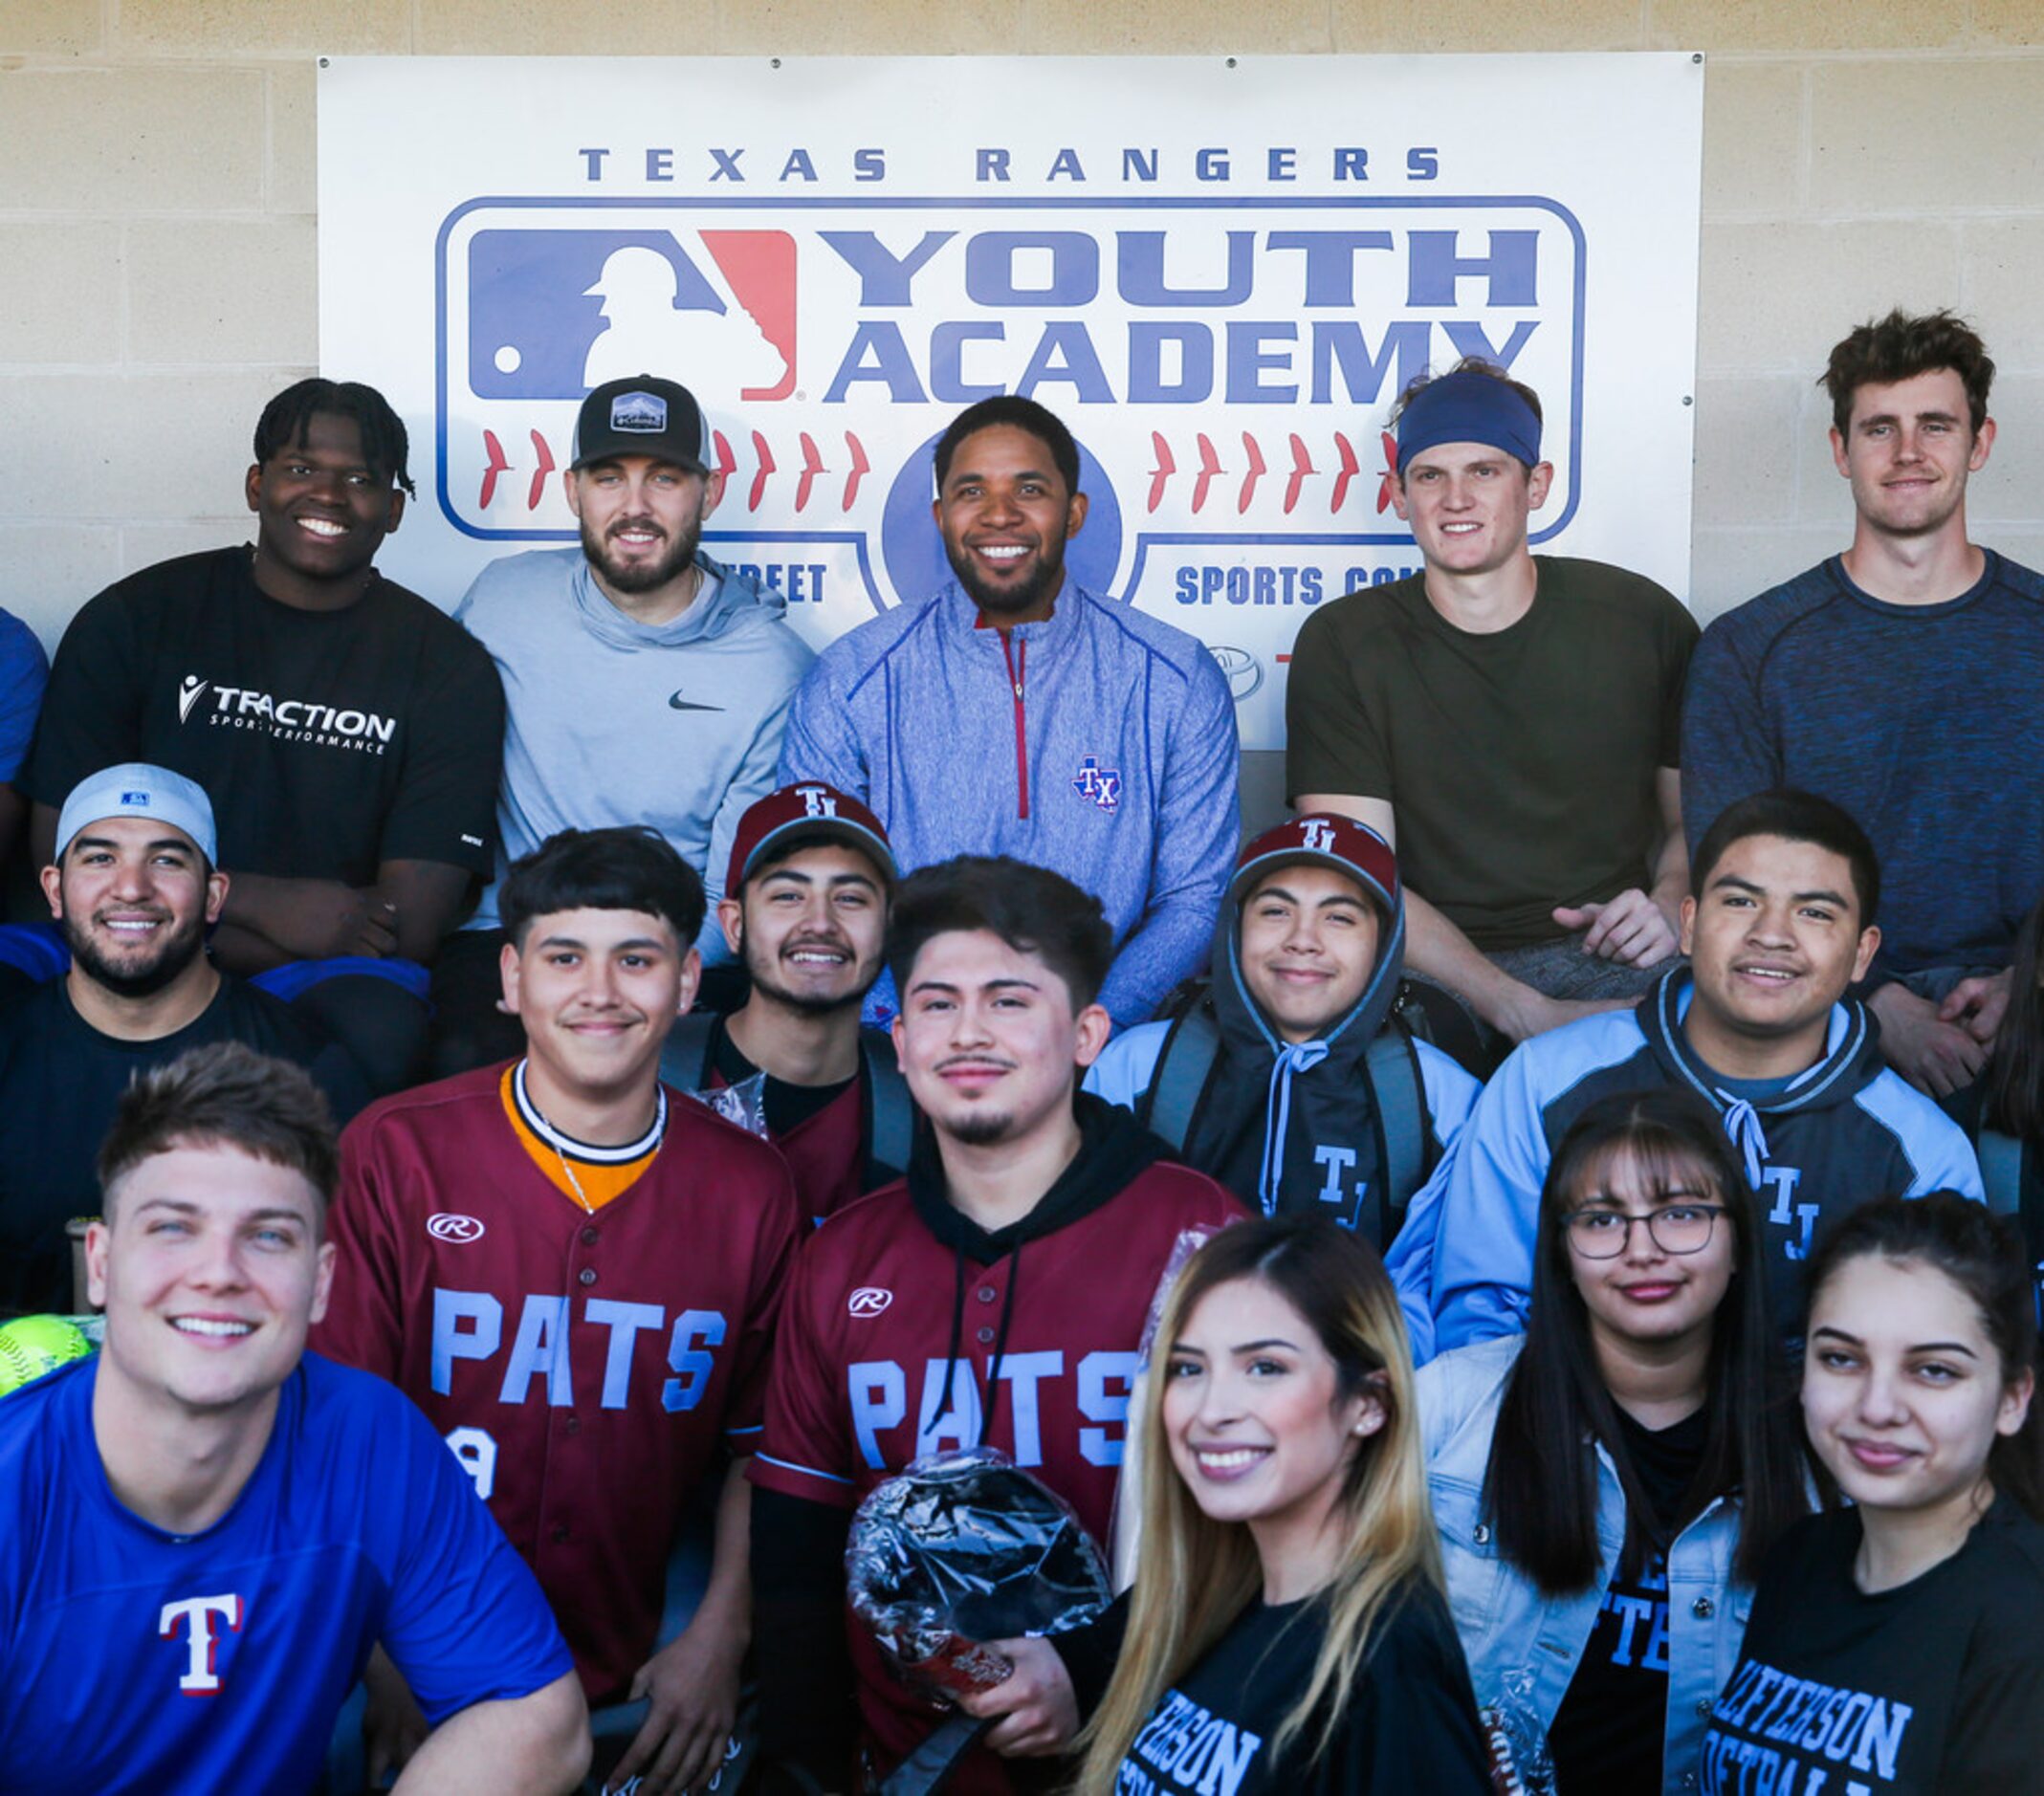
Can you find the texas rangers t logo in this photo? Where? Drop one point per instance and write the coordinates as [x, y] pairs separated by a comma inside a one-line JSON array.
[[201, 1677], [1102, 785]]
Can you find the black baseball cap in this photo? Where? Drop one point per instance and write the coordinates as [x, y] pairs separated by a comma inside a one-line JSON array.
[[641, 416]]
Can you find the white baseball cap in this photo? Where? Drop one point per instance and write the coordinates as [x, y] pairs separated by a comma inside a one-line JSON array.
[[137, 789]]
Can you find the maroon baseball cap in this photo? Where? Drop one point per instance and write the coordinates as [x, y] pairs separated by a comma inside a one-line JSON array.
[[808, 810], [1327, 839]]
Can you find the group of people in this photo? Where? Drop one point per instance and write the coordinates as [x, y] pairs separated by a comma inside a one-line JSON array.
[[1606, 1034]]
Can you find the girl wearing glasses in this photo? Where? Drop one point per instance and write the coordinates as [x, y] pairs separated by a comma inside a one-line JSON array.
[[1607, 1485], [1895, 1646]]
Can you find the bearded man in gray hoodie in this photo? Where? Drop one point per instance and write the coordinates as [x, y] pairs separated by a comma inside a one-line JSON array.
[[644, 683]]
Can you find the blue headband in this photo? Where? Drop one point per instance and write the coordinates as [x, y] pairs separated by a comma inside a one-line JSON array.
[[1469, 407]]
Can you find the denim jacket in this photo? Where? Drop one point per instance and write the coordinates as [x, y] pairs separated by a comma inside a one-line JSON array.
[[1514, 1634]]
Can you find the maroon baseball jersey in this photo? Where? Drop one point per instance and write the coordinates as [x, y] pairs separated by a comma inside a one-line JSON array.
[[825, 1151], [859, 1381], [586, 1368]]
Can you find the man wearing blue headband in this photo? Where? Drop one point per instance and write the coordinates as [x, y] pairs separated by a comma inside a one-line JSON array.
[[1510, 721]]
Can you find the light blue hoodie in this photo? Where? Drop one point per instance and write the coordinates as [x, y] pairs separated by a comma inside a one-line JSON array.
[[608, 722]]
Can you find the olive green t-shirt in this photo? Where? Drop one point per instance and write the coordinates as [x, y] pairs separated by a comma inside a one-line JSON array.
[[1519, 765]]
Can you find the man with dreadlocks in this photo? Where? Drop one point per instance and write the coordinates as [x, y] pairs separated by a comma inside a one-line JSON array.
[[346, 732]]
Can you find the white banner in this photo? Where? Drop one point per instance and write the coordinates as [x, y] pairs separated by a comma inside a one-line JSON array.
[[1219, 271]]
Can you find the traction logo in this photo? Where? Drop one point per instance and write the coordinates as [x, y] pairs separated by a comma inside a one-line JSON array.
[[870, 1300], [448, 1225], [285, 720]]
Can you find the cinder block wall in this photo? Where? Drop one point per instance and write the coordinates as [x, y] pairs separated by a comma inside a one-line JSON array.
[[157, 230]]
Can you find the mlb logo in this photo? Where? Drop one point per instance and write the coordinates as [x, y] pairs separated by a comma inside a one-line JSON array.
[[550, 314], [638, 412], [139, 800], [538, 306]]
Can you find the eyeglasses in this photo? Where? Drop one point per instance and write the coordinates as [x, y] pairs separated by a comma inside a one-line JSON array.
[[1674, 1229]]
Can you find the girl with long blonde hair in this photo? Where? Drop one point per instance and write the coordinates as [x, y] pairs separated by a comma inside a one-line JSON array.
[[1287, 1631]]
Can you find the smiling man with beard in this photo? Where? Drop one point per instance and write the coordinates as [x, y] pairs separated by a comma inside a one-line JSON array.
[[806, 908], [135, 888], [645, 682], [1017, 712]]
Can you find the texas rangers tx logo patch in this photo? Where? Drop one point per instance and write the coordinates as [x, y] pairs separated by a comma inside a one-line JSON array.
[[1102, 785]]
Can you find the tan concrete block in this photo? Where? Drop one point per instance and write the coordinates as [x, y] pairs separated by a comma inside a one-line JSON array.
[[1727, 567], [1926, 134], [1805, 25], [217, 292], [2003, 274], [145, 448], [144, 545], [135, 138], [1753, 138], [254, 28], [544, 28], [52, 27], [2024, 546], [1823, 497], [47, 571], [59, 293], [1779, 295], [2008, 491], [901, 28], [292, 178], [1366, 27], [2007, 21], [1119, 28], [1746, 450]]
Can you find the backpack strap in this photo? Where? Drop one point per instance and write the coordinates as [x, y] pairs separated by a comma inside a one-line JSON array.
[[1177, 1083], [892, 1111], [1400, 1092], [685, 1056], [2001, 1171]]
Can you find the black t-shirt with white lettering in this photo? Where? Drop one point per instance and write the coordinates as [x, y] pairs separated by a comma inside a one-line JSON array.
[[1932, 1689], [329, 741], [1411, 1725], [1608, 1734], [60, 1080]]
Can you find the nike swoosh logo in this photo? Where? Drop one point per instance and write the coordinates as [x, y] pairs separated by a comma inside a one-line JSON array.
[[679, 703]]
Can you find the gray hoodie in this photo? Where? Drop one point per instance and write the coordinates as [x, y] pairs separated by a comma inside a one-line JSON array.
[[677, 724]]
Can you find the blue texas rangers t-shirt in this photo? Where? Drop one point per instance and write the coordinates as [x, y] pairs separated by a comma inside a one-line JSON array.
[[131, 1658]]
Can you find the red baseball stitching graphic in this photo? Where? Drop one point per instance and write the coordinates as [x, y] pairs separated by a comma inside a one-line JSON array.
[[540, 473], [1301, 465], [860, 468]]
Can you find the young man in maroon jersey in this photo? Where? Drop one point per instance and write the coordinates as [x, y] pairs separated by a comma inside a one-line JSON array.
[[574, 1273], [806, 908], [995, 1296]]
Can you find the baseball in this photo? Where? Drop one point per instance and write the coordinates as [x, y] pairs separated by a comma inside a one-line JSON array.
[[34, 1344]]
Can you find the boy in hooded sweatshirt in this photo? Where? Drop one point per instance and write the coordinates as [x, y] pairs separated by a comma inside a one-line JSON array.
[[1289, 1079], [1778, 926], [997, 1295]]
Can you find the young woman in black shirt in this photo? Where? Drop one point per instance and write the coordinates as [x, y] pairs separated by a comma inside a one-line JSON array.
[[1895, 1646], [1286, 1631]]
